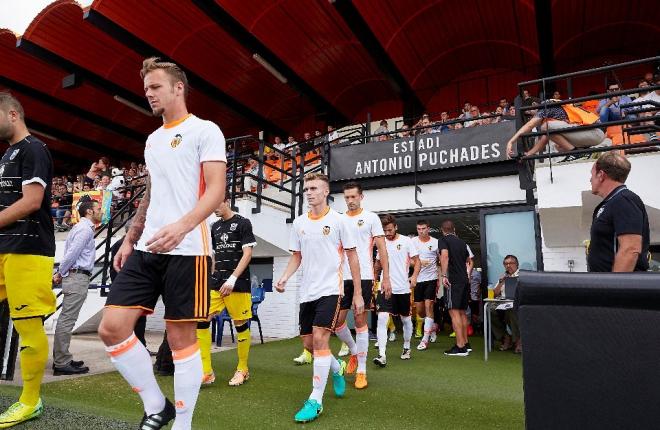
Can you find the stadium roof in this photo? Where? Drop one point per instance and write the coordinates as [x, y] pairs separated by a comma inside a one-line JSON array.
[[288, 66]]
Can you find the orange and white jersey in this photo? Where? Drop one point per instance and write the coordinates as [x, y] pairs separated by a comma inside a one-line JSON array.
[[365, 226], [428, 258], [321, 241], [400, 252], [174, 155]]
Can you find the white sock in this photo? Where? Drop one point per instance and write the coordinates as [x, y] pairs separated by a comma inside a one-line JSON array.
[[428, 324], [334, 364], [344, 334], [362, 341], [322, 360], [407, 331], [381, 332], [188, 375], [133, 362]]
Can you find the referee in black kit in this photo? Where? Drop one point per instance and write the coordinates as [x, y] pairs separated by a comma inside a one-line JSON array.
[[620, 225]]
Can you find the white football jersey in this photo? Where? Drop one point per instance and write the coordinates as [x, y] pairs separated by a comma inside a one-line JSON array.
[[399, 252], [365, 226], [321, 242], [174, 155], [428, 258]]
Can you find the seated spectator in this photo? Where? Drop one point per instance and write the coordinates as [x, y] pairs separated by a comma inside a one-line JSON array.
[[332, 137], [511, 115], [651, 96], [103, 183], [404, 131], [610, 109], [381, 129], [499, 112], [61, 207], [509, 317], [318, 139], [307, 136], [504, 104], [555, 118], [474, 113], [556, 95], [99, 168], [279, 145], [467, 111], [648, 77], [424, 121]]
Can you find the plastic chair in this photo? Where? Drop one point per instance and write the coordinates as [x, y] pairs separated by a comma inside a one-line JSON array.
[[258, 296], [218, 327]]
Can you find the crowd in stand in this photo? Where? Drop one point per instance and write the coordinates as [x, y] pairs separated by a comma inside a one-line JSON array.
[[101, 176]]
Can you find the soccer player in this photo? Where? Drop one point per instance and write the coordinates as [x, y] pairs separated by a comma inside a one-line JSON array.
[[316, 238], [27, 251], [401, 255], [186, 162], [454, 258], [233, 241], [366, 229], [427, 281]]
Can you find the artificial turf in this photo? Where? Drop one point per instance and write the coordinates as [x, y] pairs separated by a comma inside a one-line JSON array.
[[430, 391]]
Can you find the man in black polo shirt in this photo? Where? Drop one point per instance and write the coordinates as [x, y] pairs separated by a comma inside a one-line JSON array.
[[27, 251], [453, 259], [620, 225], [233, 241]]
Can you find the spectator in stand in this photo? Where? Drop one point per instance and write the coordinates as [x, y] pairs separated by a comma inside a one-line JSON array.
[[86, 187], [504, 104], [381, 129], [511, 113], [278, 144], [332, 136], [642, 84], [103, 183], [609, 109], [556, 95], [652, 96], [442, 126], [318, 139], [467, 111], [474, 113], [99, 168], [555, 118], [404, 131], [648, 77], [424, 121], [307, 136], [499, 112]]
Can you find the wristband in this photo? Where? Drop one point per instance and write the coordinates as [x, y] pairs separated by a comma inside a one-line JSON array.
[[231, 280]]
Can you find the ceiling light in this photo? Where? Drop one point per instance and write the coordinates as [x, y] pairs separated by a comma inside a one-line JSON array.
[[133, 106], [266, 65]]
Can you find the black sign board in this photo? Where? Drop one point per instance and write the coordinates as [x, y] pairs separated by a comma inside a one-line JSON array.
[[478, 145]]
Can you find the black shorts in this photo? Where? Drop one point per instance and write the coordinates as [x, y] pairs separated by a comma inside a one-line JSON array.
[[322, 312], [457, 296], [398, 304], [425, 290], [347, 299], [182, 280]]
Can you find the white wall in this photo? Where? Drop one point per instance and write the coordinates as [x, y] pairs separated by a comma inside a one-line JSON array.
[[445, 195]]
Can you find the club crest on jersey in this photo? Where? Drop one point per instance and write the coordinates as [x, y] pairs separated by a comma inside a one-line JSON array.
[[14, 154], [176, 141], [430, 248], [326, 230], [224, 237], [232, 226], [600, 211], [398, 247], [360, 223]]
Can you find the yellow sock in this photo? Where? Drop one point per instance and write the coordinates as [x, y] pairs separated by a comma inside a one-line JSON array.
[[204, 340], [390, 325], [419, 323], [34, 354], [243, 347]]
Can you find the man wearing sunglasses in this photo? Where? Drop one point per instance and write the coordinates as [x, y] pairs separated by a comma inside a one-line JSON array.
[[610, 109]]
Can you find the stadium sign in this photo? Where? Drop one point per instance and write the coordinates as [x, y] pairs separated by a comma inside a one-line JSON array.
[[464, 147]]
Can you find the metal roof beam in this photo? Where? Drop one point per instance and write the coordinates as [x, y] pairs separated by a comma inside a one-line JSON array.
[[543, 14], [88, 76], [77, 141], [235, 29], [413, 106], [73, 110], [141, 47]]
